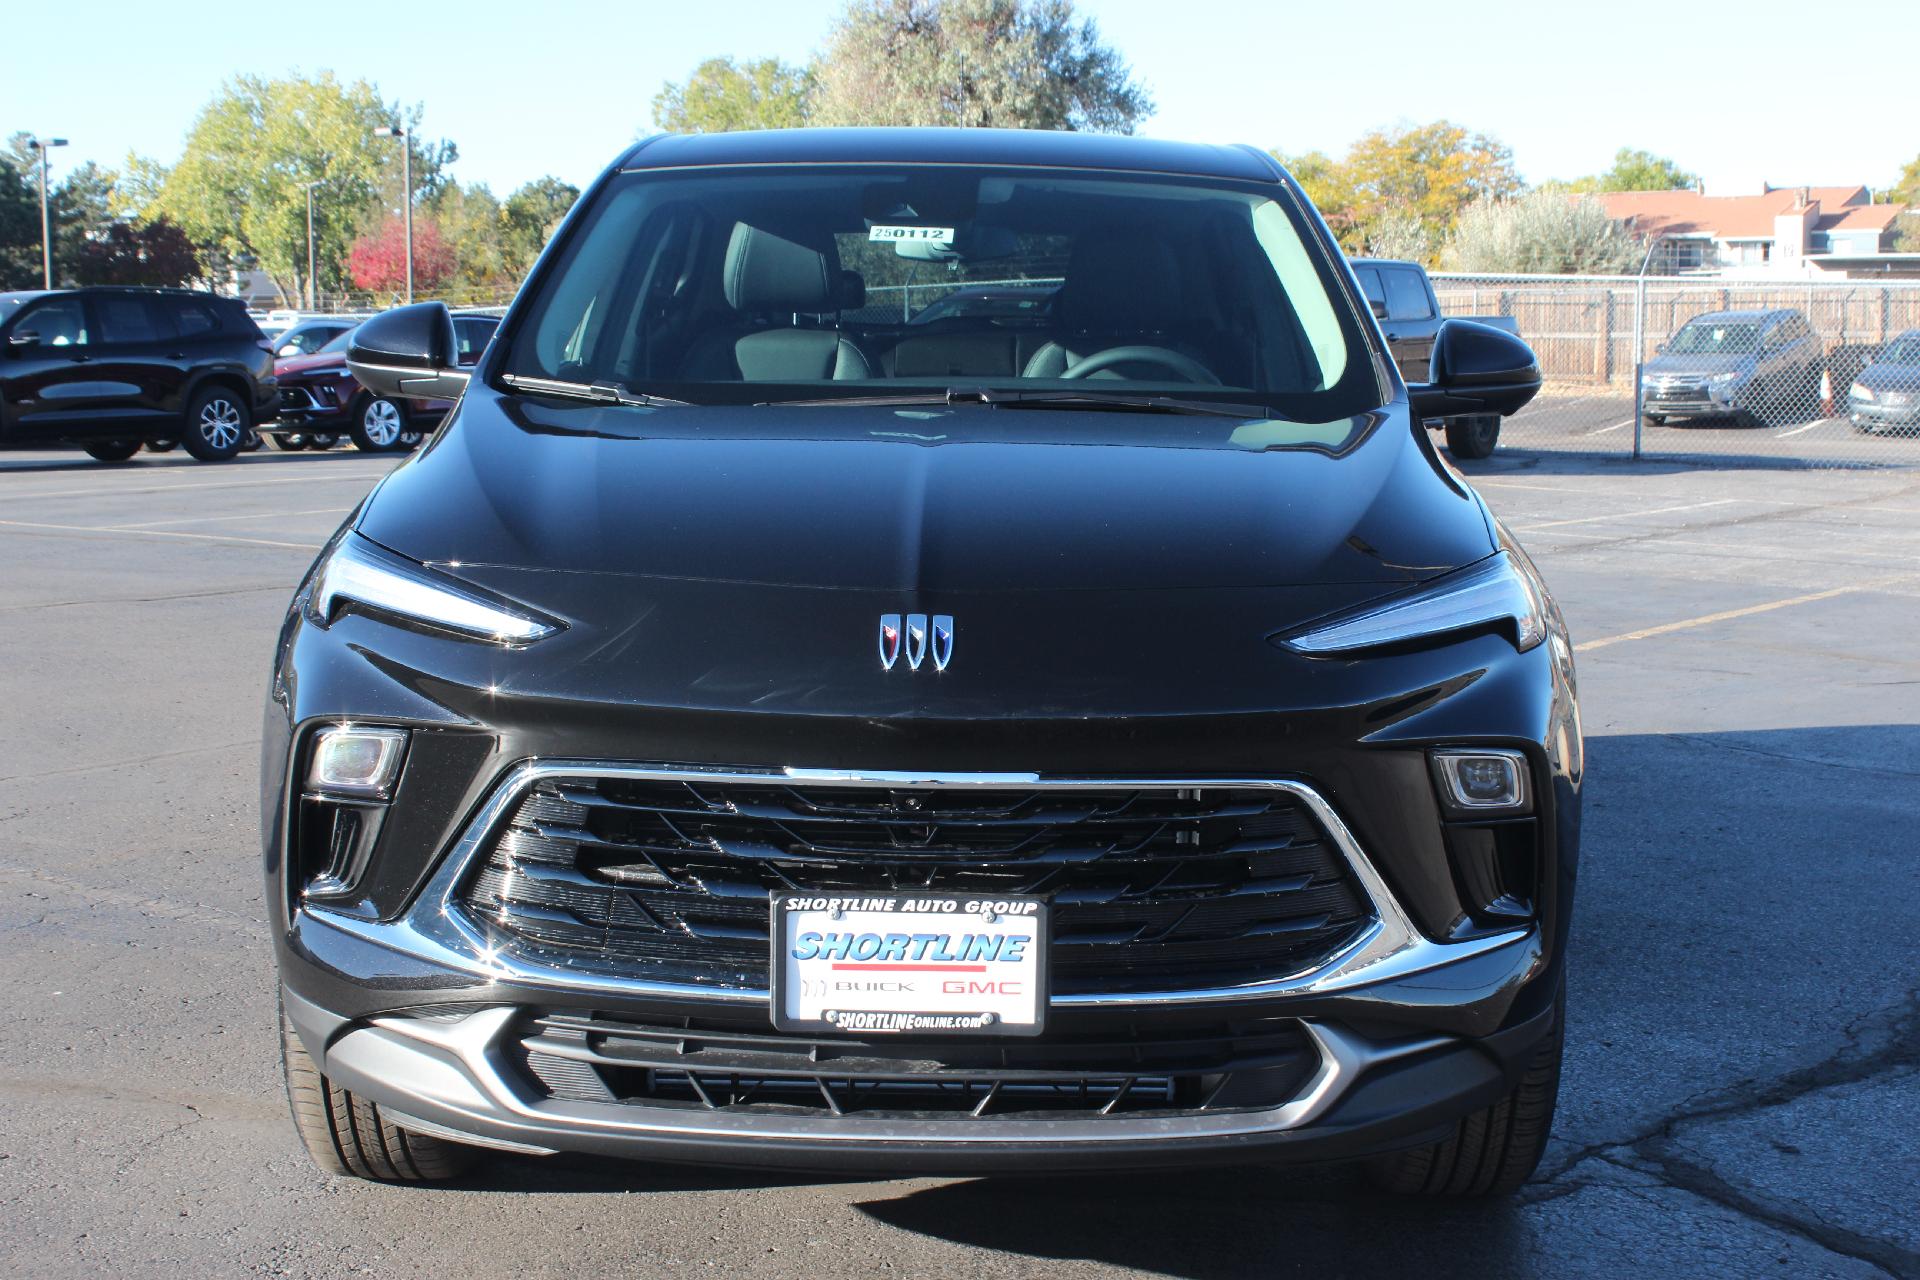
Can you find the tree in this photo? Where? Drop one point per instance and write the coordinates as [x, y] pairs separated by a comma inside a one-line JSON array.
[[1547, 232], [468, 221], [722, 96], [530, 216], [378, 262], [1429, 172], [1635, 170], [19, 228], [158, 253], [1022, 64], [1324, 179], [239, 187]]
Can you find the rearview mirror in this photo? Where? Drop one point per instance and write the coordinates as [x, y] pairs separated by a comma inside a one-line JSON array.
[[1476, 368], [409, 351]]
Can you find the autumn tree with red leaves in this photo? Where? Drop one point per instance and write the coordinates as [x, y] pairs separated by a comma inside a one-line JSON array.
[[378, 261]]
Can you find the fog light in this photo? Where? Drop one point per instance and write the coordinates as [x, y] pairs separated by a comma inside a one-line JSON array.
[[350, 761], [1482, 781]]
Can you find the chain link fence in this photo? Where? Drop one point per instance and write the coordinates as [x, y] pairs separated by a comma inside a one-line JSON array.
[[1802, 371]]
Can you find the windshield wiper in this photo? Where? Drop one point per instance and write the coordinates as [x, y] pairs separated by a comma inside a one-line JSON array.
[[1001, 399], [601, 392]]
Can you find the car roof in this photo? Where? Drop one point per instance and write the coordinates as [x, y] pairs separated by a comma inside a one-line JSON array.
[[1747, 317], [1018, 147]]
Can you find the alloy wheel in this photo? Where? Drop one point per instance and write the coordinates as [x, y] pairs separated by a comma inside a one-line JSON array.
[[381, 421], [221, 424]]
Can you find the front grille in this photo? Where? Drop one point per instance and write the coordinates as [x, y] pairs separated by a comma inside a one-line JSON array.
[[1673, 390], [1150, 888], [1232, 1067]]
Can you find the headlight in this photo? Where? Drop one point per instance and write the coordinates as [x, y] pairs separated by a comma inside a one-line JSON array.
[[1859, 392], [361, 572], [1724, 379], [1496, 591]]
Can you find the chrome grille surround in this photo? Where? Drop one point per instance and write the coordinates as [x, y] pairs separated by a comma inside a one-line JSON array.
[[437, 929]]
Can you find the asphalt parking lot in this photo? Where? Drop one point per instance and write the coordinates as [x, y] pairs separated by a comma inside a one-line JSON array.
[[1743, 1082], [1572, 420]]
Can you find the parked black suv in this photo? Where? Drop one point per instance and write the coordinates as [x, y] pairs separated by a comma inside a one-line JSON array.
[[1102, 736], [113, 368]]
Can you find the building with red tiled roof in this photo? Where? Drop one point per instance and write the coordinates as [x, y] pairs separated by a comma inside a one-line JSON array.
[[1799, 231]]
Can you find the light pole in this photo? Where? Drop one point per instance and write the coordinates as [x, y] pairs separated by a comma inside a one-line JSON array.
[[44, 145], [406, 170], [313, 297]]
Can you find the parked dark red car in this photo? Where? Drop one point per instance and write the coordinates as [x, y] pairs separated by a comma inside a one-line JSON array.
[[320, 401]]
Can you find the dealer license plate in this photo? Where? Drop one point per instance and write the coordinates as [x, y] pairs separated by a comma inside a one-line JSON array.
[[909, 963]]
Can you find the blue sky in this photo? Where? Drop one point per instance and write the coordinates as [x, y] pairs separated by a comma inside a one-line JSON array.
[[1781, 92]]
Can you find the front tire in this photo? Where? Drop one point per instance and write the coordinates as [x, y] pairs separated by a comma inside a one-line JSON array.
[[321, 441], [218, 424], [286, 441], [350, 1137], [1493, 1151], [379, 425], [111, 450], [1473, 437]]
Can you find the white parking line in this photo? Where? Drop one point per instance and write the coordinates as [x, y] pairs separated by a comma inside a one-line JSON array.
[[1810, 426], [158, 533], [1615, 427], [1632, 515], [256, 515], [358, 476]]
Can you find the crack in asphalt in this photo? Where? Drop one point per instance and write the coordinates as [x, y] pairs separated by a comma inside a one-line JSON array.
[[1761, 517], [1883, 1042], [1697, 740], [161, 599]]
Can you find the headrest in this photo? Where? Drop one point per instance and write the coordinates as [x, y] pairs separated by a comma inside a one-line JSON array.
[[1119, 281], [765, 272], [853, 291]]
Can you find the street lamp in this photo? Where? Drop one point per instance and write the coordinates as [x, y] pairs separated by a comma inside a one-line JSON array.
[[406, 169], [44, 145], [313, 296]]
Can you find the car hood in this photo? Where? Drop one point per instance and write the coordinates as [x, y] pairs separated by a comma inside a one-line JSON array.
[[967, 499], [1890, 377], [1697, 366], [308, 363]]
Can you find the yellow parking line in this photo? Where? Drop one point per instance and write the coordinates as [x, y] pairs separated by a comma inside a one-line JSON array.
[[158, 533], [1687, 624]]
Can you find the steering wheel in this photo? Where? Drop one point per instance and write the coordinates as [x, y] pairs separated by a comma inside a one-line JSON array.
[[1185, 366]]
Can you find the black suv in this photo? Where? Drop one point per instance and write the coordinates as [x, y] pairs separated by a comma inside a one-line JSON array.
[[1098, 734], [113, 368]]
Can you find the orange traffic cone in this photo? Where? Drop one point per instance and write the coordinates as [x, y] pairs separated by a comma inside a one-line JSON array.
[[1826, 393]]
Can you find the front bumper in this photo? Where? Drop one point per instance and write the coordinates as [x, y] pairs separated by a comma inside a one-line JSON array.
[[1878, 416]]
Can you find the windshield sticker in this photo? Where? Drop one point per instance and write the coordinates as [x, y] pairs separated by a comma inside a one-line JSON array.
[[941, 236]]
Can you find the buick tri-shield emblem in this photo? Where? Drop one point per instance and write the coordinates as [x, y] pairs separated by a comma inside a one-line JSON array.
[[918, 637]]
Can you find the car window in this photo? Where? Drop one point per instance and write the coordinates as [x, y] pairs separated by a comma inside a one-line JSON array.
[[751, 286], [307, 339], [1369, 278], [472, 332], [1406, 295], [1904, 349], [129, 319], [341, 341], [60, 322], [192, 319], [1715, 338]]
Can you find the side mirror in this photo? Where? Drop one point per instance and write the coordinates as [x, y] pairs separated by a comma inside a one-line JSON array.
[[21, 340], [1378, 308], [409, 351], [1476, 368]]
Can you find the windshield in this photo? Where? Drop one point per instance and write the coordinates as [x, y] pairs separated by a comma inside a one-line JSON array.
[[809, 284], [12, 302], [1713, 338], [1904, 349]]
